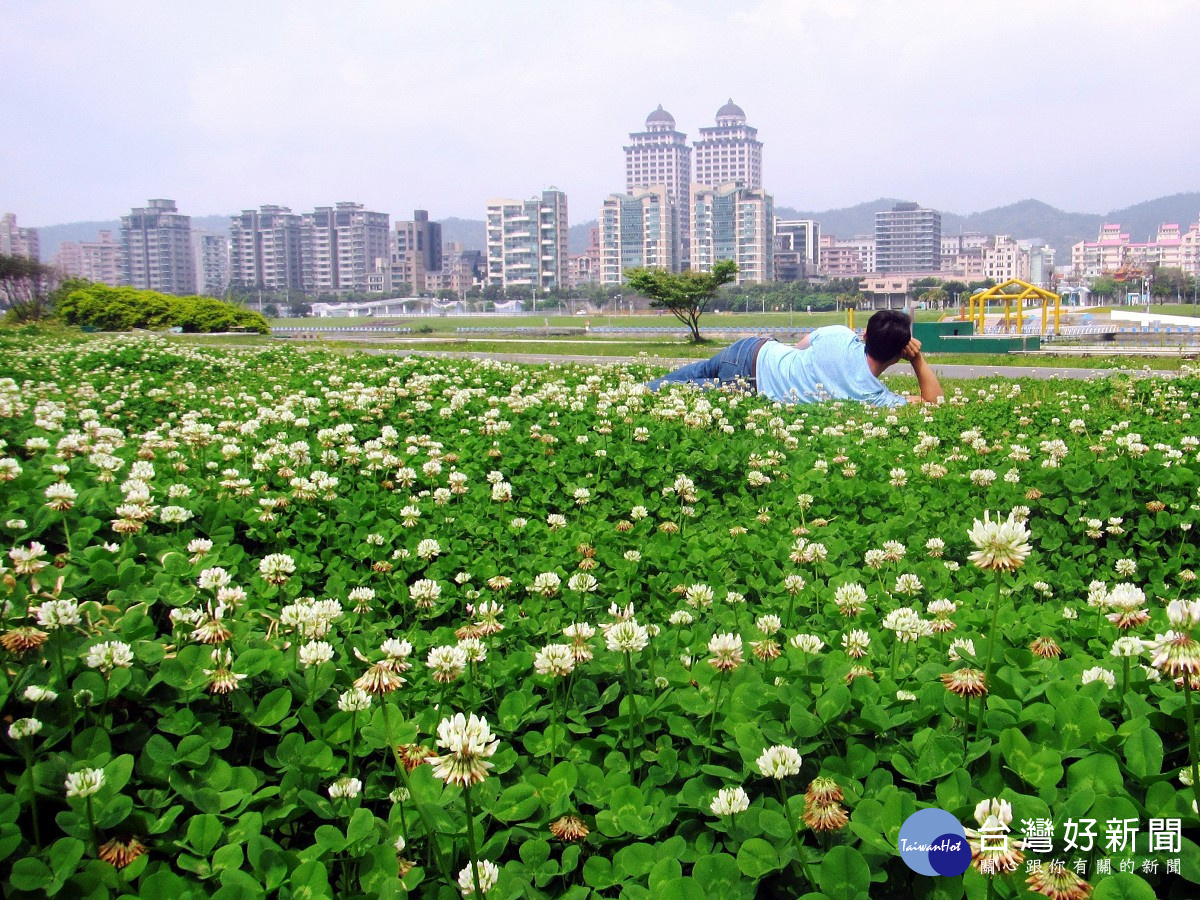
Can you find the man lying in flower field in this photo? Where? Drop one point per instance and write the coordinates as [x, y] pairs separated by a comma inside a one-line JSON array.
[[830, 363]]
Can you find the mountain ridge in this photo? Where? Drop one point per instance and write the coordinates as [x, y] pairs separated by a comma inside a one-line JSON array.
[[1028, 219]]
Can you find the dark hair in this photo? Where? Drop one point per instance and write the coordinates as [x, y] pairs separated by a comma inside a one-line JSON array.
[[888, 333]]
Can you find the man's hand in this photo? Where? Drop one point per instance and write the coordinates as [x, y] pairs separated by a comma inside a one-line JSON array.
[[911, 350]]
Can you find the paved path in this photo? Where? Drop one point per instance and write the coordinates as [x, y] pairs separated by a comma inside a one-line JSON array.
[[943, 371]]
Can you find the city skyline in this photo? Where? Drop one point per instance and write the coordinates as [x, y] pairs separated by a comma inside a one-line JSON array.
[[857, 100]]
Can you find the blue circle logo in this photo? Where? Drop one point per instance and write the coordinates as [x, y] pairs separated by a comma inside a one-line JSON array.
[[933, 842]]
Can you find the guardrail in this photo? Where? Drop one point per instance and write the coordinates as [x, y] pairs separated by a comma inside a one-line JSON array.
[[394, 329]]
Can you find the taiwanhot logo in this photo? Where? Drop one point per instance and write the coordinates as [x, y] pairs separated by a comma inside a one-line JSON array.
[[933, 842]]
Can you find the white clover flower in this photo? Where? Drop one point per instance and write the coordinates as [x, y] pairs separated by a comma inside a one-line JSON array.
[[681, 617], [314, 653], [779, 761], [856, 643], [768, 624], [354, 700], [475, 649], [698, 596], [345, 788], [546, 584], [807, 643], [960, 647], [1127, 646], [54, 614], [85, 782], [627, 637], [61, 496], [1000, 810], [729, 802], [1126, 567], [1099, 673], [428, 549], [23, 728], [793, 584], [216, 577], [110, 655], [726, 650], [1002, 544], [447, 662], [1183, 614], [424, 593], [583, 583], [489, 874], [908, 584], [396, 649], [28, 560], [469, 743], [554, 659], [37, 693]]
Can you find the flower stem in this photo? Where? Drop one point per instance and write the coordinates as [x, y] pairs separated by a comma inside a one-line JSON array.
[[553, 718], [432, 835], [353, 735], [1124, 681], [716, 706], [1191, 724], [987, 668], [966, 727], [795, 829], [33, 810], [471, 840], [632, 712]]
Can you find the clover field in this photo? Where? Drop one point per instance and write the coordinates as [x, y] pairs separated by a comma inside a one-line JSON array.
[[702, 646]]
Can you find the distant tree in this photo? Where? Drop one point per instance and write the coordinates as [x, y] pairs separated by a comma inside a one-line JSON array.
[[934, 296], [301, 310], [271, 311], [1105, 286], [685, 294], [447, 294], [25, 288]]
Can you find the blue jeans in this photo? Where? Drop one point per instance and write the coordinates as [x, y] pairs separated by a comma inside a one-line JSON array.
[[734, 363]]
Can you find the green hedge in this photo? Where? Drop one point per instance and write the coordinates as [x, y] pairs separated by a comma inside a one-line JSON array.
[[125, 308]]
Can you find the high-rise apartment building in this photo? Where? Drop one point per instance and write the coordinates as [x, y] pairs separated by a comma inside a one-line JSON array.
[[635, 231], [797, 248], [212, 263], [730, 151], [157, 245], [99, 261], [1113, 250], [737, 223], [15, 241], [461, 271], [265, 249], [416, 251], [841, 257], [660, 157], [527, 242], [908, 239], [342, 247]]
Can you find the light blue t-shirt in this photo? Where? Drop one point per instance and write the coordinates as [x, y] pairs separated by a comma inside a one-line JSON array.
[[834, 366]]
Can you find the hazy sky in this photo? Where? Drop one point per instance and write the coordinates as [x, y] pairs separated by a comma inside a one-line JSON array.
[[961, 105]]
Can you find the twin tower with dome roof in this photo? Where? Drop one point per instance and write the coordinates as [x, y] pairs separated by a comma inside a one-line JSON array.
[[682, 190]]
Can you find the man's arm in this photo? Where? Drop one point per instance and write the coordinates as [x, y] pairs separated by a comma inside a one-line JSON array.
[[927, 380], [804, 342]]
